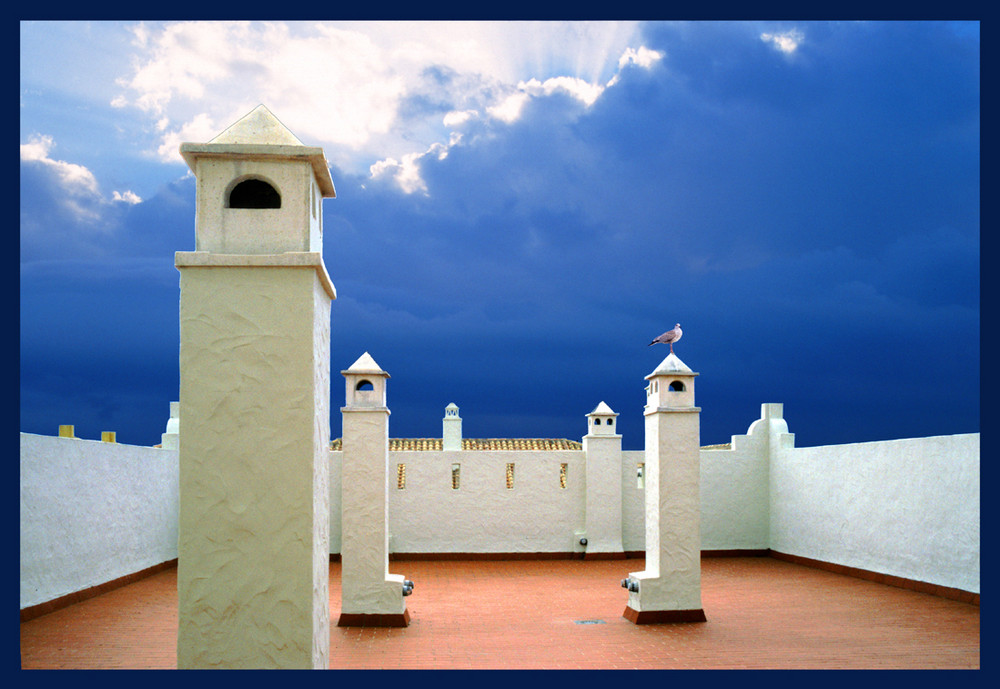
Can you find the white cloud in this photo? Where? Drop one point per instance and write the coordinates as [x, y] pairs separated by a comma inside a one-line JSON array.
[[324, 83], [343, 85], [201, 127], [186, 59], [641, 56], [406, 173], [509, 109], [78, 193], [456, 118], [128, 196], [76, 179], [37, 148], [578, 88], [786, 42]]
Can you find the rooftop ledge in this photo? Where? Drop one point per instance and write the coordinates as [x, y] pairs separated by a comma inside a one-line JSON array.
[[238, 151], [654, 410], [288, 259]]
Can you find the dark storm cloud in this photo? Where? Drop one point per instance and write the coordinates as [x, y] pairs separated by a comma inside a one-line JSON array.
[[814, 225], [811, 219], [57, 221]]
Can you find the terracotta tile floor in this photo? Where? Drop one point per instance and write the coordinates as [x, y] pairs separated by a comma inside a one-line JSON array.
[[564, 614]]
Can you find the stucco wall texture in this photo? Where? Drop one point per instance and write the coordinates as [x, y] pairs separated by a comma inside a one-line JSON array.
[[904, 507], [366, 585], [254, 369], [482, 515], [672, 578], [92, 512], [293, 227]]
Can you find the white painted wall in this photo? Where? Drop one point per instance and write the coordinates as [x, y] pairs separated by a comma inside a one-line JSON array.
[[909, 508], [92, 512], [633, 502], [734, 498], [336, 476], [483, 516], [734, 493]]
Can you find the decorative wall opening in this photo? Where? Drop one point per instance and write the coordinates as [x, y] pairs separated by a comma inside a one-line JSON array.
[[254, 193], [364, 385], [640, 475], [456, 470], [677, 386], [563, 472], [510, 475], [400, 476]]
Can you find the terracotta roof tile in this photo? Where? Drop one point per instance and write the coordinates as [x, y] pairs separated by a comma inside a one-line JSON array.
[[435, 444], [540, 444]]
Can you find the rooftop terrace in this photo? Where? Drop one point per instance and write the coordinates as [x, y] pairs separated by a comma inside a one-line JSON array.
[[763, 613]]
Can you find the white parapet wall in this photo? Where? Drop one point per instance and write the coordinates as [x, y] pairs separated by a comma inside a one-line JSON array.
[[734, 489], [734, 502], [482, 515], [633, 502], [734, 499], [908, 508], [92, 512]]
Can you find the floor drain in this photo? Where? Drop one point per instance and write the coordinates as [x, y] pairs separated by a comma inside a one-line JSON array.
[[590, 621]]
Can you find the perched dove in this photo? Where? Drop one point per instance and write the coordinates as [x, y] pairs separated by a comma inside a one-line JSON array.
[[669, 337]]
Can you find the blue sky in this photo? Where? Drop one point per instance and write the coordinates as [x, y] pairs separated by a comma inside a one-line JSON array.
[[521, 207]]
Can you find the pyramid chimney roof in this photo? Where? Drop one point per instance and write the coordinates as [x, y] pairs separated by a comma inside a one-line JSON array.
[[260, 135], [672, 364], [366, 364], [603, 408], [259, 126]]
